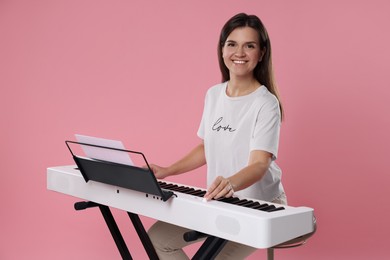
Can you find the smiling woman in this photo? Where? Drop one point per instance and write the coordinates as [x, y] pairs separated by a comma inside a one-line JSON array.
[[239, 134], [254, 47], [241, 53]]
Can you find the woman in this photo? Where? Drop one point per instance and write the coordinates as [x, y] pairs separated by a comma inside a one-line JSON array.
[[239, 131]]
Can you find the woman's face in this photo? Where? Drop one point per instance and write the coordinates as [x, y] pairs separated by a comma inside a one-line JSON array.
[[242, 51]]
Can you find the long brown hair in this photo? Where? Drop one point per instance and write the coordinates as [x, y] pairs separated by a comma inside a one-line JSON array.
[[263, 72]]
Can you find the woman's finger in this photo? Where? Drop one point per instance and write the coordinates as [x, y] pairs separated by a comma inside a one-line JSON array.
[[221, 187]]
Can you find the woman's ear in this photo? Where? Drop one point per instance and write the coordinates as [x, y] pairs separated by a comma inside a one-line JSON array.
[[262, 54]]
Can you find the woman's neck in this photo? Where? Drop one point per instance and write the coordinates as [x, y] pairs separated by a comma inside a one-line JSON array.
[[237, 88]]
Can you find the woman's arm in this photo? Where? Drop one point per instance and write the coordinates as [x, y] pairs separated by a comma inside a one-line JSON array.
[[259, 161], [194, 159]]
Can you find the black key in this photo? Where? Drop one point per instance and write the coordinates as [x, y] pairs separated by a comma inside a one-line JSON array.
[[270, 207], [163, 184], [276, 209], [231, 200], [255, 204], [174, 188], [199, 193], [189, 191], [243, 201], [183, 189], [261, 206], [249, 204], [169, 186]]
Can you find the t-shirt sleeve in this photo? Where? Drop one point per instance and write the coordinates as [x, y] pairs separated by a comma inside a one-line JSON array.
[[266, 131]]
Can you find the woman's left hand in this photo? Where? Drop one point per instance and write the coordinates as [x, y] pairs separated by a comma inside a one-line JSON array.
[[221, 187]]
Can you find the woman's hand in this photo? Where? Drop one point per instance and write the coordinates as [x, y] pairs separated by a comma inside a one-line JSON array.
[[221, 187], [159, 172], [259, 162]]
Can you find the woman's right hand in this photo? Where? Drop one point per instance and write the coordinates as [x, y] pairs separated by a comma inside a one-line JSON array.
[[159, 172]]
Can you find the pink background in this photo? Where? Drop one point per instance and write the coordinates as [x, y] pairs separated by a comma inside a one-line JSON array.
[[138, 71]]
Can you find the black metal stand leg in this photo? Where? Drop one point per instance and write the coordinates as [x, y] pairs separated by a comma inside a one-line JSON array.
[[112, 226], [116, 234], [210, 248], [143, 235], [270, 254]]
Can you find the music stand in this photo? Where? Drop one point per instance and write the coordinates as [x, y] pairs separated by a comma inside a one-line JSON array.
[[121, 175]]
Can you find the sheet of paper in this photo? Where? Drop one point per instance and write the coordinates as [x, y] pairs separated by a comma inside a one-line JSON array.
[[102, 153]]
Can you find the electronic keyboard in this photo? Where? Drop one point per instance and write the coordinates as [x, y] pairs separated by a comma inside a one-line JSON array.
[[247, 221]]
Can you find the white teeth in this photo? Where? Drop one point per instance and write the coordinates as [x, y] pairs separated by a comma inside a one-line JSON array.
[[239, 61]]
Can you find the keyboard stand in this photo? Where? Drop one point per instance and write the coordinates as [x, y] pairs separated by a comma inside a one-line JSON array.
[[209, 249], [115, 232]]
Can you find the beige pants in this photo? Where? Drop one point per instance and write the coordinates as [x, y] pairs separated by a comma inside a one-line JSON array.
[[169, 243]]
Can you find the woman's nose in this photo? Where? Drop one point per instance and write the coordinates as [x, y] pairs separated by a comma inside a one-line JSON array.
[[240, 51]]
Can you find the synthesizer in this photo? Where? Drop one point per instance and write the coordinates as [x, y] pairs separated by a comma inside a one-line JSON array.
[[247, 221]]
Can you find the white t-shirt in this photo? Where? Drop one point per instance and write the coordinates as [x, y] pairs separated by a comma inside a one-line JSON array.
[[232, 127]]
